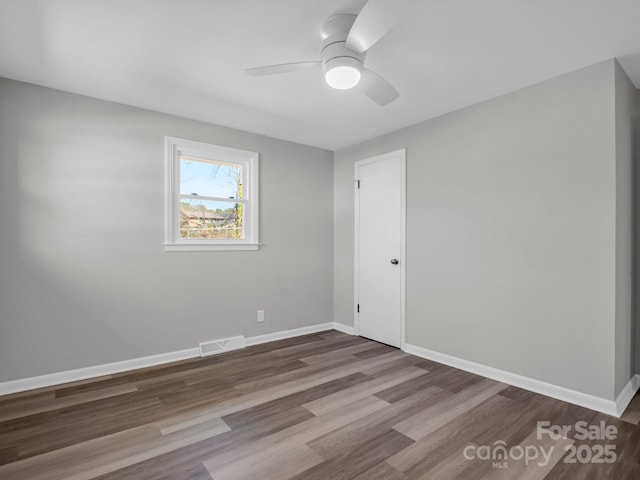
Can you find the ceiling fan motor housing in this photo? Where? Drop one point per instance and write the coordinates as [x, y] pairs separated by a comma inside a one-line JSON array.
[[334, 51]]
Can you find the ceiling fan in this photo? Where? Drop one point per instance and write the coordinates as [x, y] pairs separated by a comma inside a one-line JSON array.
[[345, 41]]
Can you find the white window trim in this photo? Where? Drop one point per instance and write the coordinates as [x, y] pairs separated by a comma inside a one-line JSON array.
[[176, 147]]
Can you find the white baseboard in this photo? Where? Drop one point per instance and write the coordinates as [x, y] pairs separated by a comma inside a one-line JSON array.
[[41, 381], [58, 378], [609, 407], [627, 394], [296, 332], [341, 327]]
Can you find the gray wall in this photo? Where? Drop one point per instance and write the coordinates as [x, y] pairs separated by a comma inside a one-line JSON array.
[[84, 279], [625, 94], [636, 243], [511, 231]]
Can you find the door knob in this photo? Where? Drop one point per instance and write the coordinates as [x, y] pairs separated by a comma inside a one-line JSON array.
[[395, 261]]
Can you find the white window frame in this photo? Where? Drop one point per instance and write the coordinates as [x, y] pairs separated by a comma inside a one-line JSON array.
[[177, 147]]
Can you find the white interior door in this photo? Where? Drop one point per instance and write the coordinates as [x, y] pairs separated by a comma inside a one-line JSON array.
[[379, 232]]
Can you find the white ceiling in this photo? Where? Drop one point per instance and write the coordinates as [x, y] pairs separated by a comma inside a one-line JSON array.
[[187, 57]]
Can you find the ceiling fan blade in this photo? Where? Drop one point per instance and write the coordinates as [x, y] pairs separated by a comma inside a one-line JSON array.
[[377, 88], [374, 21], [282, 68]]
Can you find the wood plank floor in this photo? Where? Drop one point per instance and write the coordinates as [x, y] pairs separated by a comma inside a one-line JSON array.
[[322, 406]]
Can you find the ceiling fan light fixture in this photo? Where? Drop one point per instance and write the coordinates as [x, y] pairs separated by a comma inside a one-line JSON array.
[[345, 40], [343, 73]]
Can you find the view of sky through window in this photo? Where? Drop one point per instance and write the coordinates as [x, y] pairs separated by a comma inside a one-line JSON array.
[[203, 217], [209, 179]]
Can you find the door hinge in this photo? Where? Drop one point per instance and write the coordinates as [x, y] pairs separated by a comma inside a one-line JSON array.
[[358, 308], [358, 183]]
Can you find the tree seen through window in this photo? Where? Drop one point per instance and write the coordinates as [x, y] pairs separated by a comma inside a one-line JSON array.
[[208, 200]]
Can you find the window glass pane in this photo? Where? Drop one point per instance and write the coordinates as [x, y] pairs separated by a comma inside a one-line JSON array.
[[210, 179], [209, 219]]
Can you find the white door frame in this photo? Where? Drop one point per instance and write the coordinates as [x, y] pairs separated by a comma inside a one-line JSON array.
[[402, 153]]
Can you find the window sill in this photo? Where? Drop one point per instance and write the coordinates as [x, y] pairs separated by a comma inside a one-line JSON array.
[[182, 247]]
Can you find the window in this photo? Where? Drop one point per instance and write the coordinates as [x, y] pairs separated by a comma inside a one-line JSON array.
[[211, 197]]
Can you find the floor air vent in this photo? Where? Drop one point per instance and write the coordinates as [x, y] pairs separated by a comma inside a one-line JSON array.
[[222, 345]]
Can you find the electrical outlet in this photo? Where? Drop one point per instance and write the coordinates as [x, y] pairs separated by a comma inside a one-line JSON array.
[[260, 316]]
